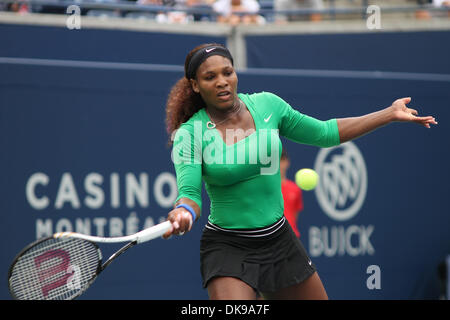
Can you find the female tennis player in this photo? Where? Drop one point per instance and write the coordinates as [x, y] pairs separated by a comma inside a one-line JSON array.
[[247, 247]]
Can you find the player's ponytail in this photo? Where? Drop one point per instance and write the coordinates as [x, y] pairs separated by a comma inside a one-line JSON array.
[[182, 104]]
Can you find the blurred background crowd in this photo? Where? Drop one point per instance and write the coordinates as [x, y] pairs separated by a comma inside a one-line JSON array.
[[223, 11]]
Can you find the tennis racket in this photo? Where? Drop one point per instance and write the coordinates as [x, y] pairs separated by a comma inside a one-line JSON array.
[[64, 265]]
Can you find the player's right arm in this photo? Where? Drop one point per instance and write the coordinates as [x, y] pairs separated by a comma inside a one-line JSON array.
[[186, 156]]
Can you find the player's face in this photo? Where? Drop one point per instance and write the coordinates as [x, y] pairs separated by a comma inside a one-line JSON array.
[[216, 82]]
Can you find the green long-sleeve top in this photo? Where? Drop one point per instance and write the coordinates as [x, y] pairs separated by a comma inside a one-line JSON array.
[[243, 180]]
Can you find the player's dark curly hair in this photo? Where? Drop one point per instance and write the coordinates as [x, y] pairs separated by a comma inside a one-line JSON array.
[[183, 102]]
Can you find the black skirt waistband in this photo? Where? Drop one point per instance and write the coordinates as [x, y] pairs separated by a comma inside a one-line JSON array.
[[250, 233]]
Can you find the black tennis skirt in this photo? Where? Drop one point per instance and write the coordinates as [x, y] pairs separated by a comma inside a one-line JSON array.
[[267, 259]]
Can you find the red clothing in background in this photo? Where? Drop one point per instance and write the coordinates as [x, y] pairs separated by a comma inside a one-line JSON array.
[[293, 203]]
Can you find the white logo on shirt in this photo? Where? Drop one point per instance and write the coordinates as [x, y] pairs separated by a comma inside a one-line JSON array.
[[268, 118]]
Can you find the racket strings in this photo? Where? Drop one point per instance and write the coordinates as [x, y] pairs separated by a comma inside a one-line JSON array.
[[55, 269]]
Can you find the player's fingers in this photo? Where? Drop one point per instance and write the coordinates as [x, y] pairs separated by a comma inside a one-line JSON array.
[[176, 224], [191, 221], [406, 100], [168, 234], [173, 217], [177, 221], [180, 223], [432, 121], [185, 218], [429, 119], [426, 121], [413, 111]]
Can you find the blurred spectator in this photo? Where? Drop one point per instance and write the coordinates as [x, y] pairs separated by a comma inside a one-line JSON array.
[[425, 14], [179, 14], [201, 4], [284, 5], [163, 16], [441, 3], [150, 2], [21, 8], [238, 11], [292, 194], [104, 12]]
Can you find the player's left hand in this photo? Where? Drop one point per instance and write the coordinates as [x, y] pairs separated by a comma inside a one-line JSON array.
[[401, 113]]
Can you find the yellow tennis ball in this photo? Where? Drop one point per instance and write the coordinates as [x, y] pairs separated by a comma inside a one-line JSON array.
[[306, 179]]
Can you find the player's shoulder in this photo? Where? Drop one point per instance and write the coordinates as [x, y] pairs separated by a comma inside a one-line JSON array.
[[260, 96], [264, 102], [195, 119], [187, 129]]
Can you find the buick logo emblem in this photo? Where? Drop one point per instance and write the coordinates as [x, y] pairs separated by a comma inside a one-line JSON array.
[[342, 187]]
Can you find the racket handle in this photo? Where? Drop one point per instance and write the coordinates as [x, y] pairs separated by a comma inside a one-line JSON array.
[[153, 232]]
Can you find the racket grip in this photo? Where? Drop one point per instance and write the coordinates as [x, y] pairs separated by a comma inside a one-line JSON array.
[[153, 232]]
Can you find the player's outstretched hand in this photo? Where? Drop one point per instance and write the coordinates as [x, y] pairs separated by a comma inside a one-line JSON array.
[[401, 113], [181, 222]]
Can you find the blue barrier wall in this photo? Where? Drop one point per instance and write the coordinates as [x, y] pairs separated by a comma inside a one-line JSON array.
[[84, 149], [386, 51], [47, 42]]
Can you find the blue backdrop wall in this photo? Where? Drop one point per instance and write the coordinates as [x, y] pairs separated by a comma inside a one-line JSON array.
[[83, 148], [425, 52]]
